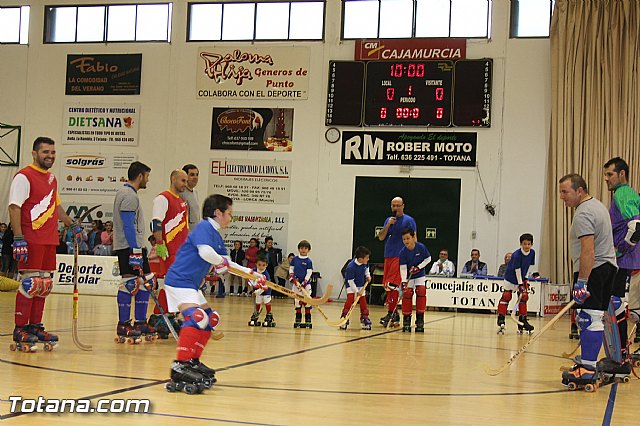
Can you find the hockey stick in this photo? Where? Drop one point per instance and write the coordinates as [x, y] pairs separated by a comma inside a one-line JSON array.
[[306, 293], [74, 321], [515, 309], [572, 353], [284, 290], [146, 285], [356, 301], [514, 357]]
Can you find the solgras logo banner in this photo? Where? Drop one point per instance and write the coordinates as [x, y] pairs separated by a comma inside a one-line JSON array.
[[94, 174]]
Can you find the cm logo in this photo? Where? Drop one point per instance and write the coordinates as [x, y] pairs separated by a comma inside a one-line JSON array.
[[85, 213]]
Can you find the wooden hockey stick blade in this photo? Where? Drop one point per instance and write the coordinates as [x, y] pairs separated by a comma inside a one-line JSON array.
[[306, 293], [513, 311], [572, 353], [514, 357], [343, 320], [217, 335], [286, 291], [76, 341]]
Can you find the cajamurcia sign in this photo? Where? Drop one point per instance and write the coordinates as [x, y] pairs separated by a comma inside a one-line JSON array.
[[253, 73], [118, 74]]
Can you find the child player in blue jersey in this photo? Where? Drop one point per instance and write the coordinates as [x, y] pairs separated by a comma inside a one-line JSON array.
[[355, 277], [414, 258], [515, 279], [203, 248], [262, 296], [300, 270]]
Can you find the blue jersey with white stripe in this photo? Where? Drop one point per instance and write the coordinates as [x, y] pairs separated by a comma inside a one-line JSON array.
[[300, 267], [519, 260], [355, 272], [414, 258], [189, 269]]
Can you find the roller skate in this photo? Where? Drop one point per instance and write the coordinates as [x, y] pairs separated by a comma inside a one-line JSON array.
[[297, 323], [501, 327], [147, 332], [307, 321], [184, 378], [345, 325], [208, 373], [611, 370], [365, 323], [635, 358], [268, 320], [420, 323], [126, 333], [23, 341], [406, 324], [574, 332], [48, 340], [385, 319], [253, 322], [525, 327], [581, 376]]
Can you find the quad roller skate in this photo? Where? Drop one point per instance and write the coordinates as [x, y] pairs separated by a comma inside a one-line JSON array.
[[23, 341], [611, 370], [574, 332], [297, 323], [208, 373], [185, 378], [581, 376], [392, 319], [406, 324], [385, 319], [345, 325], [307, 321], [635, 358], [501, 327], [420, 323], [159, 325], [254, 322], [126, 333], [48, 340], [268, 320], [365, 323], [147, 332], [525, 327]]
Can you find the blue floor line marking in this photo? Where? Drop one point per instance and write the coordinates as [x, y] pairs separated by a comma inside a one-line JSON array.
[[606, 421]]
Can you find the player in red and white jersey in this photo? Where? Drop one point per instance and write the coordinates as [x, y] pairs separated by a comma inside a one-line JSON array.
[[34, 210], [170, 226]]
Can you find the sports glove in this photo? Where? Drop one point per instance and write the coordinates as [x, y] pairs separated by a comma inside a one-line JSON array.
[[77, 232], [414, 270], [20, 249], [222, 267], [260, 281], [633, 232], [135, 259], [293, 279], [580, 292], [524, 287], [162, 251]]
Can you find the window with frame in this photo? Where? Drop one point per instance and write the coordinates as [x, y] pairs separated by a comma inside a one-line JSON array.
[[531, 18], [256, 21], [14, 25], [416, 18], [102, 23]]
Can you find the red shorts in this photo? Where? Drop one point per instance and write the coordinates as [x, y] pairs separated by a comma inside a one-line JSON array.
[[39, 258], [392, 271]]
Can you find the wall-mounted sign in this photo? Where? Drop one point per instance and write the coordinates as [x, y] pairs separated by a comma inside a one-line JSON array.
[[251, 181], [94, 174], [252, 129], [104, 74], [101, 124]]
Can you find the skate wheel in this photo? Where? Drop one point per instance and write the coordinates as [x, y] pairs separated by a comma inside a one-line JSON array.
[[309, 325], [48, 347], [606, 379], [273, 324], [26, 348], [12, 347], [170, 387], [249, 324], [636, 363], [130, 341], [207, 383], [626, 379], [572, 386], [117, 340], [201, 387], [190, 389], [589, 387]]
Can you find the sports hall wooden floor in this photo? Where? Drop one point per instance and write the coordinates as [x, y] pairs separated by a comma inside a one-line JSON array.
[[323, 376]]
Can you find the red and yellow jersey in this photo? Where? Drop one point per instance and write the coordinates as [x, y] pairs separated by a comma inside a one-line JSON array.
[[172, 210], [35, 191]]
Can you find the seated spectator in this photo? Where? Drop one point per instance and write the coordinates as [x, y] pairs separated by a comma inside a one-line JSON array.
[[474, 266], [282, 272], [503, 267], [443, 266]]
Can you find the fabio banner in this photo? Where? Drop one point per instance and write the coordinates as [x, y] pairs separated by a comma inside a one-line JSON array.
[[104, 74], [252, 129]]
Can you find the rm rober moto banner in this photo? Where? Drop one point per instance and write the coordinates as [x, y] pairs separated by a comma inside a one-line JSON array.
[[94, 174], [252, 73], [100, 124]]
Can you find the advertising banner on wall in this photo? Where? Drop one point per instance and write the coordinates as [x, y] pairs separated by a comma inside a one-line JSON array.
[[406, 49], [252, 129], [118, 74], [101, 124], [410, 148], [94, 275], [246, 225], [251, 181], [252, 72], [90, 208], [93, 174]]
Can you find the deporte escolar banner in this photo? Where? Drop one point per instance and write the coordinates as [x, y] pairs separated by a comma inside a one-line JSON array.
[[410, 148]]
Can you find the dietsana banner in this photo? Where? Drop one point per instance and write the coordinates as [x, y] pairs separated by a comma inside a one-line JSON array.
[[410, 148], [252, 129]]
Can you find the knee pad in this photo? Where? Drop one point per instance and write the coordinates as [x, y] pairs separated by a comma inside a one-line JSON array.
[[421, 291], [130, 285], [31, 287], [196, 318], [214, 318], [46, 287], [421, 299], [590, 319], [506, 296], [619, 306], [407, 293], [524, 297]]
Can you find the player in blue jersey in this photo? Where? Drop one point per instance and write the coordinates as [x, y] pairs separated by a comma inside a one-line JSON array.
[[355, 277], [414, 258], [300, 270], [515, 279], [262, 296], [203, 248]]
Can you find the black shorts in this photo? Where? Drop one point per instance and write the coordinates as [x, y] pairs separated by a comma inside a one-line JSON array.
[[123, 262], [620, 282], [600, 285]]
